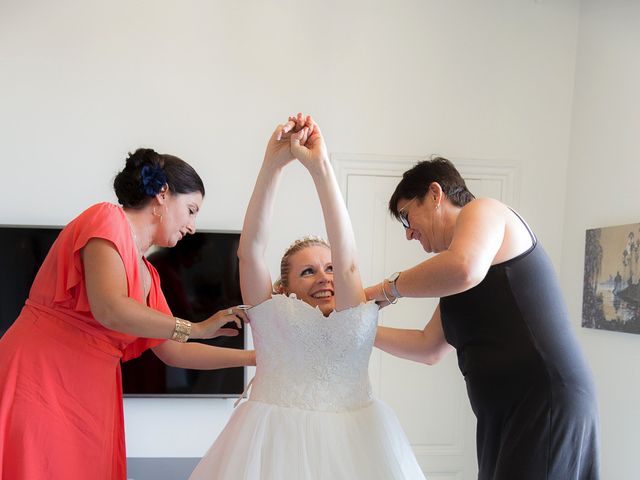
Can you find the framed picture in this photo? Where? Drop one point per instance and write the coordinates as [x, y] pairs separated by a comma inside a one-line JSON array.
[[611, 291]]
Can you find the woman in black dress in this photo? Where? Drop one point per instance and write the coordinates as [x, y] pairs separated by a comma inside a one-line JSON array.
[[502, 310]]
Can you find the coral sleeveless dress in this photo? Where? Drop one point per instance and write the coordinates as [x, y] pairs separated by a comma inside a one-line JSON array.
[[311, 414], [61, 413]]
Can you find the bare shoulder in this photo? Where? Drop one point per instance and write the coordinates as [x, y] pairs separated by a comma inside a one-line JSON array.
[[485, 203], [490, 215], [491, 206], [484, 209]]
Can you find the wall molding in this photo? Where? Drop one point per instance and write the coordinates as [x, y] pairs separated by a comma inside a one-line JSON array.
[[506, 172]]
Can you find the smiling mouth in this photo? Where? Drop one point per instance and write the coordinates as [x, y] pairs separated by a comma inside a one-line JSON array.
[[323, 294]]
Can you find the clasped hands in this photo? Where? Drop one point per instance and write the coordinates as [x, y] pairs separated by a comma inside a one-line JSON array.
[[301, 138]]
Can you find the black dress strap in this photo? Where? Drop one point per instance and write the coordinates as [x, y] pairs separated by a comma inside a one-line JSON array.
[[534, 239]]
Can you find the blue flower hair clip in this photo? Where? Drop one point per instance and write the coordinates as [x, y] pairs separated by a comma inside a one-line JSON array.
[[152, 179]]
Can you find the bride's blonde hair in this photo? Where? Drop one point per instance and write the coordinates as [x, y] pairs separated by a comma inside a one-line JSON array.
[[307, 241]]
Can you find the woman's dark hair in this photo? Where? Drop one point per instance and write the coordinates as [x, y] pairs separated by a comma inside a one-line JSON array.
[[146, 172], [415, 183]]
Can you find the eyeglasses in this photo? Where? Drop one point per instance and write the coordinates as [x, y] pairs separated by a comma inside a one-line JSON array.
[[404, 216]]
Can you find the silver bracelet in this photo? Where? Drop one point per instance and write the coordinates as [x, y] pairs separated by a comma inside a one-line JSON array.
[[384, 292]]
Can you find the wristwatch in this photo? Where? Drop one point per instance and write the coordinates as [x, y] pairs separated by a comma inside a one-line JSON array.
[[392, 283]]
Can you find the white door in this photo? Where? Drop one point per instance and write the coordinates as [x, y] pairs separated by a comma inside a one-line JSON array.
[[430, 401]]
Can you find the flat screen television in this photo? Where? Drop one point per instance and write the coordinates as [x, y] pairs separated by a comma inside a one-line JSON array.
[[199, 276]]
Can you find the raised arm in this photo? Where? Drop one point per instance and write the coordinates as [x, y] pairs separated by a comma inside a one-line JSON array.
[[255, 280], [309, 147]]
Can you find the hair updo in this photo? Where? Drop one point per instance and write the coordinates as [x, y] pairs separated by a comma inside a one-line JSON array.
[[147, 171], [296, 246]]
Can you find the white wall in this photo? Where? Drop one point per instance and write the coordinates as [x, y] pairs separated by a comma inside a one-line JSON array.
[[82, 83], [602, 190]]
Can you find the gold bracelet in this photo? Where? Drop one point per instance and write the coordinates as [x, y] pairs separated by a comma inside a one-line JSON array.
[[181, 331]]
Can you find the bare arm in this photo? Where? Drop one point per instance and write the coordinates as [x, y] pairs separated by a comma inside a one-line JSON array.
[[478, 235], [106, 283], [199, 356], [425, 346], [255, 280], [312, 153]]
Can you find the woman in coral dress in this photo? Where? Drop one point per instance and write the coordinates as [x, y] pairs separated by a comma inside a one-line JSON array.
[[95, 302]]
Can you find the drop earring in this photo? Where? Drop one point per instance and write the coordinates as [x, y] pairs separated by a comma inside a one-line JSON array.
[[156, 214]]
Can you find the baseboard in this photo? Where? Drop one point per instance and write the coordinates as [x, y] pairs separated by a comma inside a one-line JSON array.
[[143, 468]]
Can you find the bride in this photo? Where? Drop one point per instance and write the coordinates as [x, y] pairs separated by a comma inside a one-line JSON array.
[[310, 414]]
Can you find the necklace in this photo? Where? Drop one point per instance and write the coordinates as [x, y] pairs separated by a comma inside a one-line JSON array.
[[136, 242], [142, 266]]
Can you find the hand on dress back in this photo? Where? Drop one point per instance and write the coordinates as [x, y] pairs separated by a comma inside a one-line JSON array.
[[214, 325], [278, 151]]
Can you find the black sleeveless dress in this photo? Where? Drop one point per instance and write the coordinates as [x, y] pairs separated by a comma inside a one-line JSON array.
[[529, 385]]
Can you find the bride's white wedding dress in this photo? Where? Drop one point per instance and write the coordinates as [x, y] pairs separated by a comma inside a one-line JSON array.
[[310, 414]]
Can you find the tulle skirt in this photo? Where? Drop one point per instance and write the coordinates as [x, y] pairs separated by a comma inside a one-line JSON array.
[[270, 442]]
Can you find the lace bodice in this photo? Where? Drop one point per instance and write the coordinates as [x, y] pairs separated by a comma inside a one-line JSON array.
[[310, 361]]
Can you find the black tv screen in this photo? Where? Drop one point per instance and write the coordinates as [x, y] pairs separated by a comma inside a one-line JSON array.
[[199, 276], [22, 251]]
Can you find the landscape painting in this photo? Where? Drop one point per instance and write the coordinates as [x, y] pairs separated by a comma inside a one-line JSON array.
[[611, 292]]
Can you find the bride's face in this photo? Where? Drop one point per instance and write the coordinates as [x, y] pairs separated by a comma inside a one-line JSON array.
[[311, 277]]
